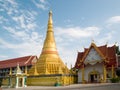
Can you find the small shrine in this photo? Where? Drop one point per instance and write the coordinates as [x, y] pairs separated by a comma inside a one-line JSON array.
[[17, 78]]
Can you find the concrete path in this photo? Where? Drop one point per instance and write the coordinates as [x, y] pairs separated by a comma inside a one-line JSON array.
[[102, 86]]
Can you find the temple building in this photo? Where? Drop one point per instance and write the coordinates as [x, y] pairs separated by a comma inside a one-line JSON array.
[[97, 64], [6, 65], [13, 71]]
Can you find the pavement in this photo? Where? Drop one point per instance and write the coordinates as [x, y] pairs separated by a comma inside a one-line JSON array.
[[69, 87]]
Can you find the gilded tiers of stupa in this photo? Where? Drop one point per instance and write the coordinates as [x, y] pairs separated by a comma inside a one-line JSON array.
[[49, 61]]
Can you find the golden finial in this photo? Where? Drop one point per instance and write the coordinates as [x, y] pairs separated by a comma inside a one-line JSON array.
[[50, 12], [93, 41]]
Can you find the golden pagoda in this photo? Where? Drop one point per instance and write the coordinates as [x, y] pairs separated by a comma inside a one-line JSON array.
[[49, 61]]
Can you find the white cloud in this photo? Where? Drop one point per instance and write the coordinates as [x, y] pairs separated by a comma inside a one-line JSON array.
[[5, 44], [2, 20], [12, 2], [24, 36], [106, 38], [68, 55], [26, 21], [2, 42], [42, 4], [9, 6], [34, 35], [22, 49], [17, 34], [3, 56], [22, 27], [77, 32], [21, 20], [114, 19], [67, 21], [43, 1], [65, 37]]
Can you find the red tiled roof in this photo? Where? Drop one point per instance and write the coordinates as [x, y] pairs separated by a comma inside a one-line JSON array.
[[111, 55], [103, 49], [108, 52], [79, 56], [23, 61]]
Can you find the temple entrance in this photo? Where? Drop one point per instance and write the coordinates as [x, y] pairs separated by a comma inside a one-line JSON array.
[[94, 77]]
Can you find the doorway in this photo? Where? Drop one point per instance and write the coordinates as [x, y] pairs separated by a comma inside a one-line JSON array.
[[93, 78]]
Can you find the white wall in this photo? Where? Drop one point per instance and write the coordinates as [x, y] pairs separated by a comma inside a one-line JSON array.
[[79, 76], [88, 68]]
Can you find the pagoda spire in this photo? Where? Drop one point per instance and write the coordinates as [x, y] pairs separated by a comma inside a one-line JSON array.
[[49, 61], [49, 46], [50, 22]]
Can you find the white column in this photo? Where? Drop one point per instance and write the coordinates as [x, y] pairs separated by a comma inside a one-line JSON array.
[[23, 82], [16, 82]]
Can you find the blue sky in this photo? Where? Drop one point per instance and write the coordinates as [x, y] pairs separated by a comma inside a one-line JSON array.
[[23, 25]]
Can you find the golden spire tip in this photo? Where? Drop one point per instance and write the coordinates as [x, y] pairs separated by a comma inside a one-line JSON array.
[[50, 12]]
